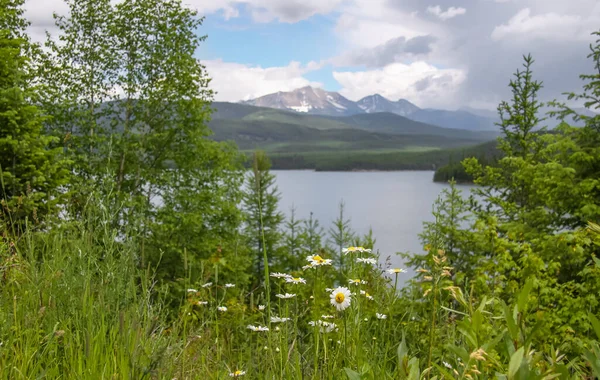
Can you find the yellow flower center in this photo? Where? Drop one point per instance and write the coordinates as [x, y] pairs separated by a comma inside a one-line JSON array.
[[318, 259], [339, 298], [237, 373], [297, 279]]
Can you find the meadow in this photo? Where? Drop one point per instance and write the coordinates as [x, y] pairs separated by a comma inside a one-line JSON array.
[[136, 245]]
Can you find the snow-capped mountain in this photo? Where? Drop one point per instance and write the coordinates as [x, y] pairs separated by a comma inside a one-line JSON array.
[[377, 103], [316, 101], [309, 100]]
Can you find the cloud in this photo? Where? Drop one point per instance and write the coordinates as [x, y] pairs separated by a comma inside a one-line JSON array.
[[418, 82], [236, 81], [447, 14], [394, 50], [264, 11], [542, 26]]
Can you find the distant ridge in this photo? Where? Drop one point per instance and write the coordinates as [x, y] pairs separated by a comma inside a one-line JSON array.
[[316, 101]]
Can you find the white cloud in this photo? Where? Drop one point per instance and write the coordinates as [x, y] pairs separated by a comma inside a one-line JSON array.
[[551, 26], [447, 14], [236, 81], [369, 23], [290, 11], [418, 82]]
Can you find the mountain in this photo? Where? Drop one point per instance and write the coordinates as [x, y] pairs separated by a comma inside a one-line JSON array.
[[308, 100], [316, 101], [377, 103], [454, 119]]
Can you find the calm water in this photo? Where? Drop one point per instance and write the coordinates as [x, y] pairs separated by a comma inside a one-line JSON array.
[[393, 204]]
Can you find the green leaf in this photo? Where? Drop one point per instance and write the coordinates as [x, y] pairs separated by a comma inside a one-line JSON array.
[[515, 362], [524, 295], [510, 322], [595, 324], [352, 375]]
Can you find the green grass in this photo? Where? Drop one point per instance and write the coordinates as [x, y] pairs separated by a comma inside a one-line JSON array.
[[74, 304]]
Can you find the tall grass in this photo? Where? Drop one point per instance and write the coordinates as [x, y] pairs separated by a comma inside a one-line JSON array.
[[75, 304]]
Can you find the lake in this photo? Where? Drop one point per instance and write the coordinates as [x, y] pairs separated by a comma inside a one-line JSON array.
[[393, 204]]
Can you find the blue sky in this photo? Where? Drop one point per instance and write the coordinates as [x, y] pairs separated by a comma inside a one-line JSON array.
[[435, 53]]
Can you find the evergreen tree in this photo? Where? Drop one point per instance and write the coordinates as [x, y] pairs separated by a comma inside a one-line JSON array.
[[31, 173], [293, 240], [263, 218], [340, 235]]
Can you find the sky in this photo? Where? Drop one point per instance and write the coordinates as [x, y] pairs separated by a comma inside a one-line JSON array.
[[442, 54]]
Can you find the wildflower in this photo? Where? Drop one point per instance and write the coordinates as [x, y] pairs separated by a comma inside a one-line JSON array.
[[327, 316], [285, 296], [261, 307], [265, 348], [367, 295], [277, 349], [279, 320], [325, 327], [366, 261], [357, 282], [316, 260], [340, 298], [258, 328], [208, 284], [222, 308], [380, 316], [280, 275], [192, 291], [395, 271], [308, 266], [237, 373], [200, 303], [355, 249], [446, 365], [478, 354], [277, 328], [230, 285], [295, 280], [329, 290]]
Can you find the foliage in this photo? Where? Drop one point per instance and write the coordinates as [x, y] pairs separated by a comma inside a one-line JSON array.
[[31, 174], [263, 219]]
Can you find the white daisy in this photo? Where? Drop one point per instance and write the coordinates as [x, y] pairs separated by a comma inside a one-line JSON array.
[[295, 280], [285, 296], [355, 249], [357, 282], [222, 308], [258, 328], [208, 284], [327, 316], [237, 373], [325, 327], [261, 307], [280, 275], [307, 266], [367, 295], [395, 271], [447, 365], [230, 285], [279, 319], [316, 260], [366, 261], [380, 316], [192, 291], [340, 298]]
